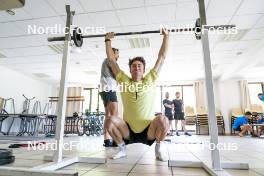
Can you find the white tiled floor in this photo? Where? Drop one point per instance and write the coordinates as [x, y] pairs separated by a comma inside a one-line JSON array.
[[141, 160]]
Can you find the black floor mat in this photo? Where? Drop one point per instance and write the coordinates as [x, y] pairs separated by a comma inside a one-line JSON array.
[[5, 153], [7, 160]]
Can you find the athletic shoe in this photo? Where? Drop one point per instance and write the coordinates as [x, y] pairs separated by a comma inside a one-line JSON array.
[[108, 143], [120, 154], [160, 156], [158, 153], [114, 144], [177, 133]]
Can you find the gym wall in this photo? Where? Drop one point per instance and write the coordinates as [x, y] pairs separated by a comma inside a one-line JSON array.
[[14, 84], [227, 96]]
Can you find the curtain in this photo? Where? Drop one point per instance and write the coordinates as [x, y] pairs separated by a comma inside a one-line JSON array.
[[1, 104], [199, 90], [245, 98], [73, 106]]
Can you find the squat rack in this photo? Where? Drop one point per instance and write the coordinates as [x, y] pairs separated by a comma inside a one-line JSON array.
[[58, 161]]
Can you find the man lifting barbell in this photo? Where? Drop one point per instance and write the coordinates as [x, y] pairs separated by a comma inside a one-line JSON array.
[[139, 124]]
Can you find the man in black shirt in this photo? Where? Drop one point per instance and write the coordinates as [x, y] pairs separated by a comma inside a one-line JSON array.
[[178, 107], [168, 110]]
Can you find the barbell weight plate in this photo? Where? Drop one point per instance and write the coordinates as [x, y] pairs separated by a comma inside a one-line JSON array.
[[197, 30], [77, 37]]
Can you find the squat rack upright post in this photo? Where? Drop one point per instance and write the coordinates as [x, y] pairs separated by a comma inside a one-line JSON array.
[[217, 165]]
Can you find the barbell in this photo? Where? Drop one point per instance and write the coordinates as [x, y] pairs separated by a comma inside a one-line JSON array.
[[78, 37]]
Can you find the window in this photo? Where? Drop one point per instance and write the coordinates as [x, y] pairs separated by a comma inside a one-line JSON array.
[[91, 103], [94, 99], [187, 93], [171, 90], [189, 96], [254, 90], [158, 104], [86, 94]]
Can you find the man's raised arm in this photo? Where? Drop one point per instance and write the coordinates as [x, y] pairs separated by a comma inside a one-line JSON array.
[[110, 53], [163, 50]]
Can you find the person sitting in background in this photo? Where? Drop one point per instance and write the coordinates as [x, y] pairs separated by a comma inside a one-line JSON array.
[[261, 96], [260, 120], [241, 124]]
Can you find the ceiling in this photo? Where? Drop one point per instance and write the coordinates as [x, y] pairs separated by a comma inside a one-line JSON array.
[[232, 57]]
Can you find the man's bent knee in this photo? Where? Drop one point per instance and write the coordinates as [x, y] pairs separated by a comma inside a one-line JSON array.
[[162, 122], [108, 124]]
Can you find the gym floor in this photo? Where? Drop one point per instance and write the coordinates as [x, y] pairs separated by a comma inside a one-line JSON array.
[[141, 160]]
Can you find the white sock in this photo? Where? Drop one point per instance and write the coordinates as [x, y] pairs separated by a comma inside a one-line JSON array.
[[121, 153], [122, 146], [159, 155]]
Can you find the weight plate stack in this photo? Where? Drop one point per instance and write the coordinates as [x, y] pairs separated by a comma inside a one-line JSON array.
[[6, 156]]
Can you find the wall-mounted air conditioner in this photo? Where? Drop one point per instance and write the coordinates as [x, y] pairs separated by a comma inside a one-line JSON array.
[[11, 4]]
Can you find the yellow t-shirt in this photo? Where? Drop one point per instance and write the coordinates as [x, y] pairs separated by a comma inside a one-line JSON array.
[[138, 100]]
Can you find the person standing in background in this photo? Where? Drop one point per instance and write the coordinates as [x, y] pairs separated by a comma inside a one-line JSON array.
[[108, 86], [168, 110], [178, 107]]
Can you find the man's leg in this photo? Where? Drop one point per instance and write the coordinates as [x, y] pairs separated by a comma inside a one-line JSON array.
[[170, 127], [176, 127], [183, 123], [112, 108], [107, 137], [170, 124], [158, 129], [111, 111], [261, 130], [244, 129], [118, 130]]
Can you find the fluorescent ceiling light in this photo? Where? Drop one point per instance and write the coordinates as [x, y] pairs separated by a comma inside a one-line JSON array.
[[234, 37], [139, 43], [58, 48], [2, 56]]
